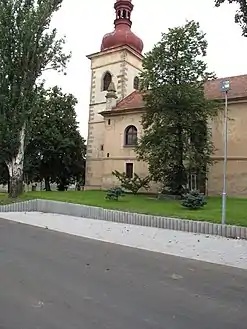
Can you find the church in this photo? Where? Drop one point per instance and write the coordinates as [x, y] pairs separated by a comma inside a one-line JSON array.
[[116, 107]]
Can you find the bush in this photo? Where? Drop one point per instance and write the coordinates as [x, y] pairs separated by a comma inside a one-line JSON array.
[[133, 184], [114, 193], [194, 200]]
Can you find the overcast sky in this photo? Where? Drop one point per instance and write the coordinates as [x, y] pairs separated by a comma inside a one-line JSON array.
[[85, 22]]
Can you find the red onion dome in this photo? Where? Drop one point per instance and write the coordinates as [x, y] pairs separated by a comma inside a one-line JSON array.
[[122, 34], [122, 37]]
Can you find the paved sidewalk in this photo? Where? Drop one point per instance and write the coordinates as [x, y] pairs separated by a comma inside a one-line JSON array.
[[207, 248]]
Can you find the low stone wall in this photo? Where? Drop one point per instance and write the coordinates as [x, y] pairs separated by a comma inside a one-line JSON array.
[[77, 210]]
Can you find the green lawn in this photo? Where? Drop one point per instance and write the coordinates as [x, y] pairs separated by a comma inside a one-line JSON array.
[[236, 207]]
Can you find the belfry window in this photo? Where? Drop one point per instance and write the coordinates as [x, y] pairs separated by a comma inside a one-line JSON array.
[[136, 83], [131, 136], [106, 81]]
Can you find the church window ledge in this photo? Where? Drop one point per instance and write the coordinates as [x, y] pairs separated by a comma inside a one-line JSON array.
[[129, 146]]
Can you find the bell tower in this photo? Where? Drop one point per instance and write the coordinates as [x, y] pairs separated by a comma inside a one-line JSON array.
[[118, 64]]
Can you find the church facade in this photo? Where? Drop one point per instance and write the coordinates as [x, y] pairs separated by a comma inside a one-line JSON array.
[[116, 107]]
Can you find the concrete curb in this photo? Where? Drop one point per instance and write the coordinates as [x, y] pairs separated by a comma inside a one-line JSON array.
[[30, 205], [64, 208]]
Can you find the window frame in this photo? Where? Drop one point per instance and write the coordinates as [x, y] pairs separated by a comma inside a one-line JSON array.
[[131, 171], [127, 136]]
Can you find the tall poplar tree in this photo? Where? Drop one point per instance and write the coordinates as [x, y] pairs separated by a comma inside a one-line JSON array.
[[27, 47]]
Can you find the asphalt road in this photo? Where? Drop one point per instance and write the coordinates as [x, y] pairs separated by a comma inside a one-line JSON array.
[[50, 280]]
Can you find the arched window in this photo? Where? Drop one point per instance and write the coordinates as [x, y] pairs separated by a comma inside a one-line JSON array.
[[131, 136], [136, 83], [106, 81]]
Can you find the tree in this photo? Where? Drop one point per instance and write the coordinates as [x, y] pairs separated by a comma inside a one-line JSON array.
[[4, 177], [241, 14], [56, 150], [176, 139], [27, 48], [133, 184]]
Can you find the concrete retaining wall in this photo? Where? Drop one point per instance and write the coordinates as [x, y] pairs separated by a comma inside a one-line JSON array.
[[30, 205], [76, 210]]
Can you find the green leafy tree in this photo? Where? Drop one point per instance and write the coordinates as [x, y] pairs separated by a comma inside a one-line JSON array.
[[56, 150], [241, 14], [27, 48], [4, 175], [133, 184], [176, 139]]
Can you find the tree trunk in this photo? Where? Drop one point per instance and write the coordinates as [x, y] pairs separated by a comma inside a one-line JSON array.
[[47, 184], [16, 185], [15, 168]]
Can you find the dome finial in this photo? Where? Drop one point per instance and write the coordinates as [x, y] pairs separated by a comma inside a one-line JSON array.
[[123, 10]]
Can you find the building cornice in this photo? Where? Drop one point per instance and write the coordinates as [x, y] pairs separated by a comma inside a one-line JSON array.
[[122, 111], [114, 50]]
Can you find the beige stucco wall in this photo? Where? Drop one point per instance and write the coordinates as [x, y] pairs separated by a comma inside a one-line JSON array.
[[114, 134], [110, 164], [116, 154], [124, 65], [237, 152]]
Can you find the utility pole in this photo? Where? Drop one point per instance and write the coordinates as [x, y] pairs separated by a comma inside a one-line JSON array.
[[225, 87]]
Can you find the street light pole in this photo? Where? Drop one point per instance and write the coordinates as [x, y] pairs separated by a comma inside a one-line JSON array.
[[225, 87]]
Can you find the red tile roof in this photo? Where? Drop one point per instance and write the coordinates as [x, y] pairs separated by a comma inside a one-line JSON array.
[[212, 91], [133, 100], [238, 87]]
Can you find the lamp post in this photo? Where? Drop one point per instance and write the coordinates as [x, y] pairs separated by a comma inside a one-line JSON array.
[[225, 87]]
